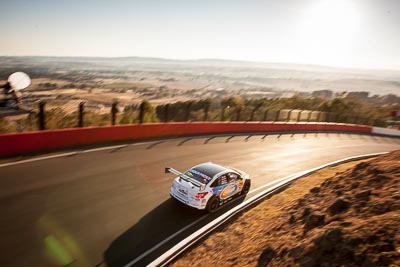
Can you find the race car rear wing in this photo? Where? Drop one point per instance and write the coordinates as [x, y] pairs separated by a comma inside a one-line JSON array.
[[185, 177]]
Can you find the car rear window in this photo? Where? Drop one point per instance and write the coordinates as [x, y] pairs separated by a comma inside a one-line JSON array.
[[210, 169], [198, 176]]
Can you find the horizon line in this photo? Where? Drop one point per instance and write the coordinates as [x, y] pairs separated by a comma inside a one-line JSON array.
[[370, 68]]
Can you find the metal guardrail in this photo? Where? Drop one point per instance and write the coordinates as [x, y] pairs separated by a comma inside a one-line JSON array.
[[207, 229]]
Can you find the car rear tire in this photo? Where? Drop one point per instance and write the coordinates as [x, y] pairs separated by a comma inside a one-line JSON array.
[[246, 188], [212, 204]]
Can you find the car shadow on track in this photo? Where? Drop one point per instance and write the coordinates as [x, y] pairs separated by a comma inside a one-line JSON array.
[[163, 221], [159, 224]]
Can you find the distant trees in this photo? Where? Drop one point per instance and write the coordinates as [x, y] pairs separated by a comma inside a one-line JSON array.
[[127, 117], [6, 126], [48, 86], [337, 105], [231, 108], [147, 113]]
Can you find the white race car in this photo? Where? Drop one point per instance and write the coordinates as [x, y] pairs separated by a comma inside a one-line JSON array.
[[208, 185]]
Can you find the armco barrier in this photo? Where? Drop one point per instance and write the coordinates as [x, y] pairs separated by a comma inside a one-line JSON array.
[[19, 143], [385, 131]]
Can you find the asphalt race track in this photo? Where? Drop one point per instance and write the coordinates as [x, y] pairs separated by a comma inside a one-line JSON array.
[[110, 206]]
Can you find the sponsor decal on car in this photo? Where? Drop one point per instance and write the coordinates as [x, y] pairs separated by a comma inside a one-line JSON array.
[[228, 191], [182, 191]]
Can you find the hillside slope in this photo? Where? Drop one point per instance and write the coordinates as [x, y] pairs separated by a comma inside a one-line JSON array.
[[349, 219]]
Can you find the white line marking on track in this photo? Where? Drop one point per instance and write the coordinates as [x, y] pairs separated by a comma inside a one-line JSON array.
[[62, 155], [37, 159], [163, 242], [104, 148]]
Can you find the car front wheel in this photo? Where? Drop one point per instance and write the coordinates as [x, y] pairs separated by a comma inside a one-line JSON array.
[[212, 204]]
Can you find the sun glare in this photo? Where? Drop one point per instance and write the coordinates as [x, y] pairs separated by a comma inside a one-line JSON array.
[[328, 30]]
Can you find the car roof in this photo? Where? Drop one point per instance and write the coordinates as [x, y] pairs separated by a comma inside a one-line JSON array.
[[210, 169]]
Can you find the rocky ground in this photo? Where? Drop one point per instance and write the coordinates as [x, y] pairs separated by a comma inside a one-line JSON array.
[[351, 218]]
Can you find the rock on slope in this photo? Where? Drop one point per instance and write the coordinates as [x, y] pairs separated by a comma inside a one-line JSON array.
[[352, 219]]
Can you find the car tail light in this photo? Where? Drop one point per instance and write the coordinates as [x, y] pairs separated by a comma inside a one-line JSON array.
[[201, 195]]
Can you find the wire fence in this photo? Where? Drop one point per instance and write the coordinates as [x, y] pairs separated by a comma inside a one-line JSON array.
[[79, 114]]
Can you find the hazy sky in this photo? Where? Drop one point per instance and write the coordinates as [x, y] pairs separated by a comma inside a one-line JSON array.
[[356, 33]]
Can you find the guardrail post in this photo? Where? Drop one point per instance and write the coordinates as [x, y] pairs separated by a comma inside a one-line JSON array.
[[299, 116], [288, 116], [277, 115], [266, 114], [319, 115], [42, 116], [252, 114], [31, 119], [80, 114], [141, 112], [206, 109], [187, 114], [166, 110], [309, 116], [114, 111], [238, 110]]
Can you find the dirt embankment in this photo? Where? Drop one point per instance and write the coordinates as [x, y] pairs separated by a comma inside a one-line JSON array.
[[351, 218]]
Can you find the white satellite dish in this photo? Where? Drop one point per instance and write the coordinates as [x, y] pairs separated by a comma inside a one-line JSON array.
[[19, 80]]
